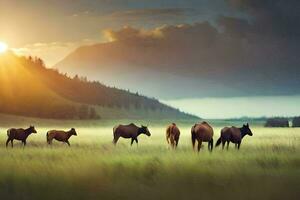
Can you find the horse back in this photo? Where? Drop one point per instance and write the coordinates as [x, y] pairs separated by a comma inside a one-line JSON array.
[[236, 135], [126, 131], [173, 130], [57, 134], [203, 131], [231, 133], [17, 134]]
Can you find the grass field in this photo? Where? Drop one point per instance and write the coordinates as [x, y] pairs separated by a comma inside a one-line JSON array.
[[266, 167]]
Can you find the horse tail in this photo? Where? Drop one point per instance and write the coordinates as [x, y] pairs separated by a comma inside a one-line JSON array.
[[47, 136], [115, 134], [8, 132], [168, 134], [114, 130], [193, 139], [218, 141]]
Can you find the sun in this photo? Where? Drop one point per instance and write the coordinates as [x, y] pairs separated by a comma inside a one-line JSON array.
[[3, 47]]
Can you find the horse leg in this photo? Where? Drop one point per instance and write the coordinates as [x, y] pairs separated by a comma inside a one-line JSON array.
[[132, 140], [172, 141], [50, 141], [199, 145], [176, 142], [211, 144], [12, 143], [223, 144], [227, 145], [24, 143], [7, 141], [239, 144], [235, 145], [137, 142], [68, 143], [115, 140], [167, 138]]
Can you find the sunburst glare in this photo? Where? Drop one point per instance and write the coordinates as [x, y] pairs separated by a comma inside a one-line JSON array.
[[3, 47]]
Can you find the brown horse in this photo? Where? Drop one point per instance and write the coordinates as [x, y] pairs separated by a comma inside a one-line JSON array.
[[172, 135], [19, 134], [129, 131], [62, 136], [234, 135], [202, 132]]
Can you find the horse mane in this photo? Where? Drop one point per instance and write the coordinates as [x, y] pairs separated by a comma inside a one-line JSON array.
[[27, 130]]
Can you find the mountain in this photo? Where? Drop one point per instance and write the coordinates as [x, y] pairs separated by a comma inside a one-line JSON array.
[[190, 61], [28, 88]]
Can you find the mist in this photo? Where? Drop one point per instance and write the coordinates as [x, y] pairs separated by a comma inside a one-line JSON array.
[[220, 108]]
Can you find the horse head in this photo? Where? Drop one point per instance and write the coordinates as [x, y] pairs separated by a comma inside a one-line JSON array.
[[145, 130], [247, 130], [73, 132], [32, 129]]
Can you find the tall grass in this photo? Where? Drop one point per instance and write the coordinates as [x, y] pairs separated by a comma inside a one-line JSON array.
[[266, 167]]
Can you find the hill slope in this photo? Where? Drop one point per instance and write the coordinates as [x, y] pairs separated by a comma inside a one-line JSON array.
[[28, 88]]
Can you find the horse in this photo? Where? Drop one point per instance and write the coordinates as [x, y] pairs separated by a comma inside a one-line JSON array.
[[19, 134], [234, 135], [62, 136], [172, 135], [129, 131], [202, 132]]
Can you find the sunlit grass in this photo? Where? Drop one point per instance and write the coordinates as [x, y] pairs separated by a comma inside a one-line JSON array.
[[266, 167]]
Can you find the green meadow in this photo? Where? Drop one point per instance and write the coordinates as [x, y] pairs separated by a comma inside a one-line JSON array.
[[266, 167]]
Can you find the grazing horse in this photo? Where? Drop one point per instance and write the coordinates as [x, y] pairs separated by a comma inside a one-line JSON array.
[[19, 134], [129, 131], [202, 132], [172, 135], [62, 136], [234, 135]]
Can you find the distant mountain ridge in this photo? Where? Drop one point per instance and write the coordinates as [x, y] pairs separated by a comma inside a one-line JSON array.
[[28, 88]]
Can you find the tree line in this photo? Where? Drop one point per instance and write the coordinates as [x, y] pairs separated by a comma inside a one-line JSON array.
[[44, 92]]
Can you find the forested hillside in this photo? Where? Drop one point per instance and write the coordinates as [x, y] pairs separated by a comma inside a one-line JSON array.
[[28, 88]]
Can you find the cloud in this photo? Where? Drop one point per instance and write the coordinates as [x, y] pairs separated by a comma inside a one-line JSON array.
[[254, 53], [231, 53], [151, 12], [234, 42], [150, 16], [276, 18], [195, 46]]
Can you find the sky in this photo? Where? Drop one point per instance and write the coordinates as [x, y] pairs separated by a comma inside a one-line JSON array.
[[52, 29], [216, 49]]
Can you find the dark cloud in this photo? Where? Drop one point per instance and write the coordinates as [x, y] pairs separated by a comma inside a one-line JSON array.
[[253, 55], [278, 18]]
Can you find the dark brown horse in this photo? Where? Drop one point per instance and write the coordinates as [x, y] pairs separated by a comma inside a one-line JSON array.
[[172, 135], [129, 131], [234, 135], [202, 132], [62, 136], [19, 134]]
